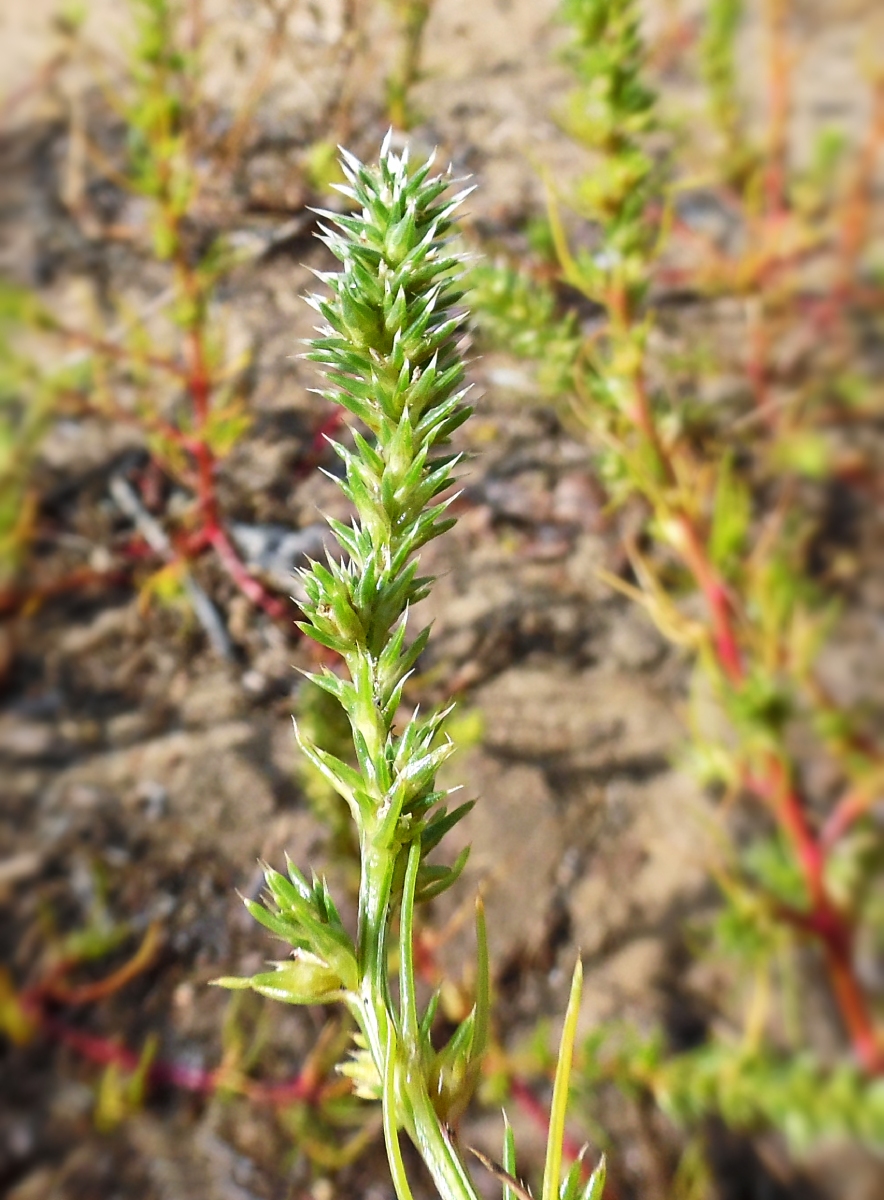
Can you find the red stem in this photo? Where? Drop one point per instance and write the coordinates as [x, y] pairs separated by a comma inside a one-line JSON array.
[[777, 790], [54, 988], [727, 647], [275, 608], [828, 925], [825, 920], [212, 531], [774, 786], [852, 806], [200, 388], [105, 1052]]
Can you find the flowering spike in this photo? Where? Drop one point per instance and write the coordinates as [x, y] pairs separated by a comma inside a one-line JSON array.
[[389, 351]]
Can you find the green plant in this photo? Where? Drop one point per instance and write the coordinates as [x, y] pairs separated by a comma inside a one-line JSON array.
[[720, 518], [611, 111], [166, 370], [22, 425], [718, 62], [389, 349], [162, 122], [750, 1088], [411, 19]]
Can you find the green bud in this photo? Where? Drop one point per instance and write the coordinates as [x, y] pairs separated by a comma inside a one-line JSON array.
[[400, 239], [304, 979]]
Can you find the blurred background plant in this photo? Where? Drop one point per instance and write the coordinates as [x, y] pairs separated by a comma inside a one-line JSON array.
[[22, 424], [411, 18], [169, 370], [173, 169], [732, 503]]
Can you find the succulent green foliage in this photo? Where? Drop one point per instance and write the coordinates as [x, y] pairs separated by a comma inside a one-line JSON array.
[[156, 119], [511, 309], [29, 398], [718, 65], [751, 1088], [607, 56], [805, 1100], [389, 349], [611, 111]]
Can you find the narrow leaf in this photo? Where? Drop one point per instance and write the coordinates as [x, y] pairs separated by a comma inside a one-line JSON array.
[[553, 1167]]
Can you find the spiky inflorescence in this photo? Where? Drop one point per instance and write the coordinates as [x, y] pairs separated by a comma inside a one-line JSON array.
[[389, 351]]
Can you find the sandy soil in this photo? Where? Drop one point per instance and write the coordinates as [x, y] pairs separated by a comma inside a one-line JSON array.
[[143, 778]]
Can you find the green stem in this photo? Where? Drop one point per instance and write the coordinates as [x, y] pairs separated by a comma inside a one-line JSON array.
[[397, 1059], [371, 943]]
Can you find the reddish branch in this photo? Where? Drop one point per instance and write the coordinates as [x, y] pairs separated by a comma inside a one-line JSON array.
[[35, 1004], [775, 787], [308, 1086], [212, 530], [773, 783], [276, 609], [715, 593]]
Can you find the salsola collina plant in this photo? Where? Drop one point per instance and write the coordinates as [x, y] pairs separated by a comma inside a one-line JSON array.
[[718, 64], [719, 496], [166, 367], [389, 350]]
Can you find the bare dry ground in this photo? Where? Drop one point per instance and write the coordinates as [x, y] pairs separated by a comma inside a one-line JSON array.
[[143, 776]]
